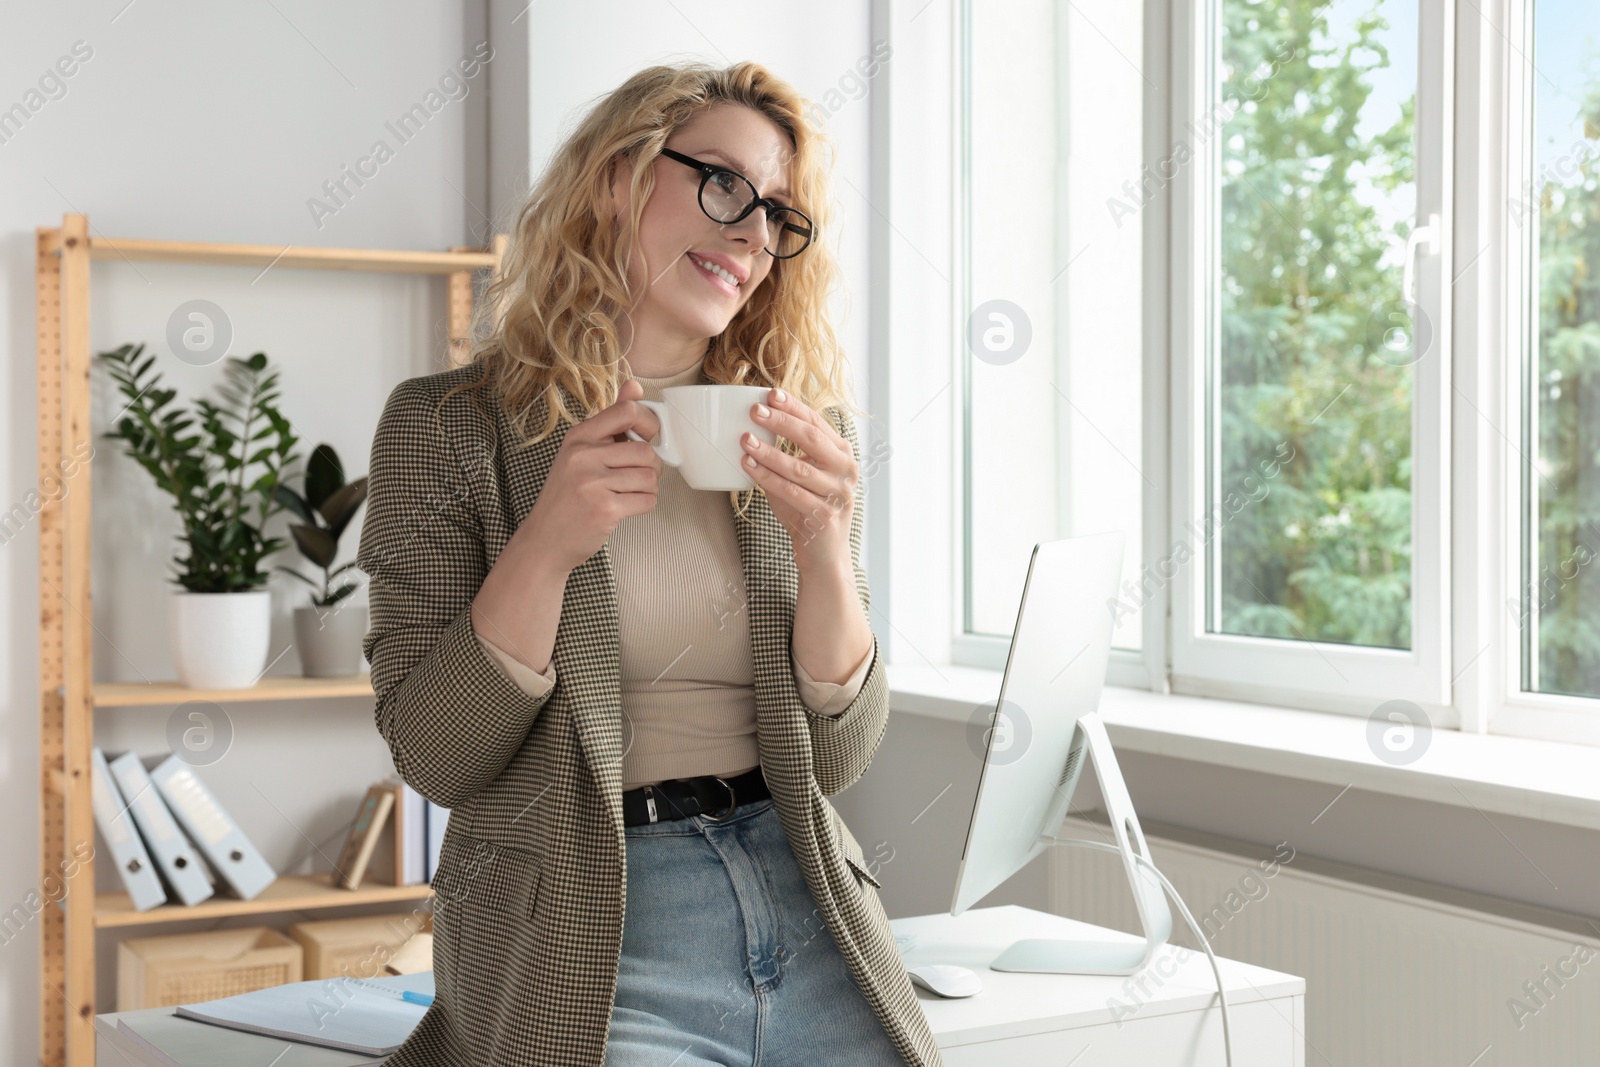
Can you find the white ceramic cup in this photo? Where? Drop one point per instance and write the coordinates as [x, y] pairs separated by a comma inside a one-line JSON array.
[[701, 430]]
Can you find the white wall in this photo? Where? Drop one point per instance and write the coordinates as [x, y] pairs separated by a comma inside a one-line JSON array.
[[217, 122], [576, 53]]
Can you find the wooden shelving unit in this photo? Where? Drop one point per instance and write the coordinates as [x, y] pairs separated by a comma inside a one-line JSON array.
[[291, 892], [272, 687], [68, 693]]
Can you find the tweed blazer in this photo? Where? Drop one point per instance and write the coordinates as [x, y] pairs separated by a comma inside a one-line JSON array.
[[531, 884]]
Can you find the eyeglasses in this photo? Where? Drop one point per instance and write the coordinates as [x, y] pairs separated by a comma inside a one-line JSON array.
[[727, 196]]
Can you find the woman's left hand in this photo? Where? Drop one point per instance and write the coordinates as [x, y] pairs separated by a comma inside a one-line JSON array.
[[812, 494]]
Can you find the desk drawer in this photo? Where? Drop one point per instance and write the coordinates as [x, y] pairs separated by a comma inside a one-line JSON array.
[[1265, 1034]]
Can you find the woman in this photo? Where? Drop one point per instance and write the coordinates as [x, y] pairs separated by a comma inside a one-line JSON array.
[[635, 696]]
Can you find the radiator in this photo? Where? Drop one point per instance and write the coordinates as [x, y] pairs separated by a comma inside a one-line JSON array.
[[1399, 973]]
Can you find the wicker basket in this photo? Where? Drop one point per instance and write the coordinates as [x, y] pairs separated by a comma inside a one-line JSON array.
[[154, 972], [358, 948]]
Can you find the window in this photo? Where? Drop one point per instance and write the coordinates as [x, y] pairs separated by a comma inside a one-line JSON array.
[[1558, 610], [1357, 244], [1310, 362], [1308, 435], [1053, 230]]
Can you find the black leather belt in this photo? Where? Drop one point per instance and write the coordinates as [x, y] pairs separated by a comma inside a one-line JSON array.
[[679, 798]]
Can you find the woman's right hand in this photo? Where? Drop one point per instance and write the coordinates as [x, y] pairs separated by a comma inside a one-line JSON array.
[[599, 477]]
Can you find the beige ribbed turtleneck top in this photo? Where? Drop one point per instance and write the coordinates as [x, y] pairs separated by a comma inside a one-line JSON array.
[[688, 681]]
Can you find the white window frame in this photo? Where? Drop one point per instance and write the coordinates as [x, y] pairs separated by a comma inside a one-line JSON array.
[[1501, 46], [1144, 668], [1311, 674]]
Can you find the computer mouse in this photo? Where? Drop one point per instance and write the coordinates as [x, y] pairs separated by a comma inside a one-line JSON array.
[[946, 979]]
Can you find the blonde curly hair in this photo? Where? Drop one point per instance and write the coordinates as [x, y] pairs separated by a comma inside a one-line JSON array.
[[548, 325]]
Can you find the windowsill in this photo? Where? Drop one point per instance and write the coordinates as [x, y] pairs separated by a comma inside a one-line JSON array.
[[1544, 780]]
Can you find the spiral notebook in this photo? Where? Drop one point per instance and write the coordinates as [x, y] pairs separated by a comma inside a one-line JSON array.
[[362, 1015]]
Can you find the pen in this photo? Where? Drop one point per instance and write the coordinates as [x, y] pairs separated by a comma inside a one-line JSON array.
[[417, 998]]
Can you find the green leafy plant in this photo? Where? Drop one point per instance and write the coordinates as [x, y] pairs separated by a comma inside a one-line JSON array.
[[328, 505], [1307, 256], [210, 473]]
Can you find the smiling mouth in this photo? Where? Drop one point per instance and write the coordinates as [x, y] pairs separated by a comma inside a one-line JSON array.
[[714, 273]]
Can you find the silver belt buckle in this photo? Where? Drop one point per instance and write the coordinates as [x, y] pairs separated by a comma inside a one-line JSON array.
[[733, 802]]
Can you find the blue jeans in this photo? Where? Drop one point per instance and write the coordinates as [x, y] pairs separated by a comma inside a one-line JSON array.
[[725, 957]]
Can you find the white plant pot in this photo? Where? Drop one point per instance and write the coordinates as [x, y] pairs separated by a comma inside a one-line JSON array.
[[329, 639], [220, 640]]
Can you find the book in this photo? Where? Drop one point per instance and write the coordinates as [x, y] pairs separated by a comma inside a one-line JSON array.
[[438, 818], [231, 854], [134, 866], [363, 837], [362, 1015], [410, 834], [175, 856]]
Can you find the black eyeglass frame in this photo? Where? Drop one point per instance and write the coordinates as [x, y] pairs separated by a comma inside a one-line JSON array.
[[709, 170]]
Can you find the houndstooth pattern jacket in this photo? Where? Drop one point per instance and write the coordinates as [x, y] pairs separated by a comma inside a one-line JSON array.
[[531, 883]]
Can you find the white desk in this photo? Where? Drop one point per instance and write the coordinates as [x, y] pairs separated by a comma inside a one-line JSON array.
[[1095, 1021], [195, 1044], [1063, 1020]]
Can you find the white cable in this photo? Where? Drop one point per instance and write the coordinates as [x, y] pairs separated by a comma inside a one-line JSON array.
[[1227, 1037]]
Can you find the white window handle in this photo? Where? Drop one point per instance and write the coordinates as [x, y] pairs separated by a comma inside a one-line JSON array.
[[1427, 236]]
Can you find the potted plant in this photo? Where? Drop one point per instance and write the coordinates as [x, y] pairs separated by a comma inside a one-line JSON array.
[[327, 631], [220, 621]]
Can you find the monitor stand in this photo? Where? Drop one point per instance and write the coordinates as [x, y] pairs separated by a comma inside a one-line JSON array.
[[1091, 956]]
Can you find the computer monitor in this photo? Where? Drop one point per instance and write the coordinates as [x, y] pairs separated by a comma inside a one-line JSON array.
[[1043, 729]]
